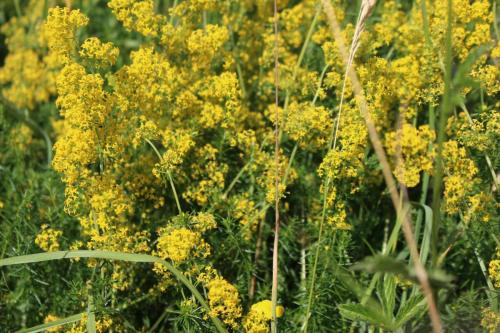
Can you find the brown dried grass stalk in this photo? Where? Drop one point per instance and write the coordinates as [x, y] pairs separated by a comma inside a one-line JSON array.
[[274, 289], [386, 170]]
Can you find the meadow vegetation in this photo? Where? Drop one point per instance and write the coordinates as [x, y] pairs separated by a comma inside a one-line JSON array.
[[150, 150]]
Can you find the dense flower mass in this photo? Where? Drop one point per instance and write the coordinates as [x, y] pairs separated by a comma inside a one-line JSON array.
[[167, 130]]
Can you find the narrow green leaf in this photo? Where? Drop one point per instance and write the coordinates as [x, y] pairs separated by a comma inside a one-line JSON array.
[[425, 246], [55, 323], [389, 294], [385, 264], [91, 324], [381, 263]]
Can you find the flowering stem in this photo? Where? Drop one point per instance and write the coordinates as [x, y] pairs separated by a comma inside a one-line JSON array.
[[169, 175]]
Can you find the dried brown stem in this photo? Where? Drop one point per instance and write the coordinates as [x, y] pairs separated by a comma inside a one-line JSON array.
[[274, 291], [386, 170]]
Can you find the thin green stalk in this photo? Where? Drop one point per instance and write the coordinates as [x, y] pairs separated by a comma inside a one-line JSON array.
[[320, 83], [238, 176], [169, 175], [491, 292], [316, 258], [425, 20], [446, 108], [171, 20], [425, 178], [17, 6]]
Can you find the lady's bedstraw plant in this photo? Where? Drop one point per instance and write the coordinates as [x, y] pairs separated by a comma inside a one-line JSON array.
[[163, 115]]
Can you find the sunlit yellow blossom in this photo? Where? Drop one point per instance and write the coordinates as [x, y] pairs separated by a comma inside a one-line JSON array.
[[257, 319]]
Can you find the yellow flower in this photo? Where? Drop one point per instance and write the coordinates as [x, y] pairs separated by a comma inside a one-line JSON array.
[[256, 321], [48, 238]]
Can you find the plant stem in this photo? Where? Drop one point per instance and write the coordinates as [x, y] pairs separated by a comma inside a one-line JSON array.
[[420, 271], [169, 175], [274, 289]]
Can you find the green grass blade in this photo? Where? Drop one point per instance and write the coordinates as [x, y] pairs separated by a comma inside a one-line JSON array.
[[91, 324], [425, 246], [55, 323], [47, 256]]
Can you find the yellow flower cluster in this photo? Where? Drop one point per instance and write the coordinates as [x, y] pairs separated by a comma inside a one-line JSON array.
[[490, 320], [181, 241], [181, 244], [177, 144], [410, 148], [99, 53], [208, 174], [459, 179], [27, 77], [257, 319], [137, 15], [203, 44], [60, 31], [48, 238], [308, 124], [246, 212], [224, 301], [494, 270]]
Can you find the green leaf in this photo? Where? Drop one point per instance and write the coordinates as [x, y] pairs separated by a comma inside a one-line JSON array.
[[425, 246], [383, 264], [461, 77], [414, 307], [388, 294], [55, 323], [364, 313], [91, 324]]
